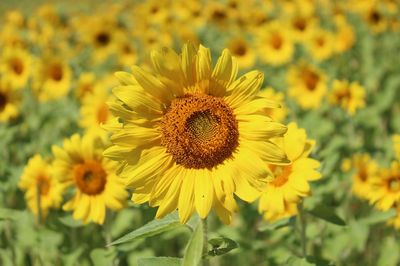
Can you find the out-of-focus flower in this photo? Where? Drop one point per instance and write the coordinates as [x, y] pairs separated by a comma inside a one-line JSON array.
[[80, 165], [242, 51], [307, 85], [15, 66], [349, 96], [277, 114], [320, 45], [365, 169], [10, 98], [41, 188], [200, 133]]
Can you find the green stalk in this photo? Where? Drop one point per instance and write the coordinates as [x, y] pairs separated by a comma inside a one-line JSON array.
[[206, 261], [303, 226]]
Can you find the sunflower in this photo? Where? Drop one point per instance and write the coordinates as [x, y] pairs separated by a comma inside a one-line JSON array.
[[41, 188], [274, 44], [277, 114], [94, 111], [365, 170], [87, 83], [290, 209], [320, 44], [307, 85], [192, 136], [301, 27], [52, 79], [344, 37], [10, 98], [15, 64], [396, 145], [289, 183], [81, 166], [243, 52], [350, 96], [386, 187]]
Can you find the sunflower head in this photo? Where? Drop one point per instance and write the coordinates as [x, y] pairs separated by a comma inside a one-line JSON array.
[[189, 133]]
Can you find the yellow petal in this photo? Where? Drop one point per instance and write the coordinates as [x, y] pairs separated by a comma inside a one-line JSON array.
[[204, 192], [186, 197]]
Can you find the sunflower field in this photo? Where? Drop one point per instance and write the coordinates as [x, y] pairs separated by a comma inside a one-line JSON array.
[[199, 132]]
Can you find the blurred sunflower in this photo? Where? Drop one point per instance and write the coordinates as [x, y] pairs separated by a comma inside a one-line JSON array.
[[320, 44], [386, 187], [94, 111], [87, 83], [365, 170], [15, 64], [10, 99], [242, 51], [307, 85], [80, 165], [289, 183], [274, 44], [277, 114], [192, 136], [52, 79], [290, 210], [350, 96], [301, 27], [41, 188], [344, 37]]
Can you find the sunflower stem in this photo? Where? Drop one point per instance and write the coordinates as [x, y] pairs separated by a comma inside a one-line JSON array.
[[303, 226], [39, 205], [206, 261]]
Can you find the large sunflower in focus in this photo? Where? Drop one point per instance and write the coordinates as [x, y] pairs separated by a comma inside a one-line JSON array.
[[191, 136]]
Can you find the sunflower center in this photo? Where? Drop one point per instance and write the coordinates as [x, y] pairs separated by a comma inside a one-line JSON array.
[[199, 131], [43, 184], [56, 72], [310, 79], [3, 101], [239, 49], [394, 184], [281, 174], [300, 24], [276, 41], [103, 38], [17, 66], [90, 177], [343, 95]]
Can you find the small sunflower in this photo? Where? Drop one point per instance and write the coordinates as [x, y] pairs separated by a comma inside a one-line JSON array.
[[274, 44], [289, 183], [243, 52], [10, 99], [350, 96], [52, 79], [16, 66], [290, 209], [385, 190], [87, 83], [94, 111], [301, 27], [344, 37], [320, 44], [41, 188], [365, 170], [193, 136], [80, 165], [307, 85]]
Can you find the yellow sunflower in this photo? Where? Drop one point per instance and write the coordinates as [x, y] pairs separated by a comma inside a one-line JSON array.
[[349, 96], [192, 136], [52, 79], [289, 183], [94, 111], [242, 51], [307, 85], [344, 36], [365, 170], [81, 166], [290, 209], [274, 44], [15, 64], [321, 44], [385, 190], [277, 114], [396, 145], [86, 84], [10, 99], [41, 188]]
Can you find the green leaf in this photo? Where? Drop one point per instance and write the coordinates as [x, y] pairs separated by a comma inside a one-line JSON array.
[[326, 213], [387, 256], [8, 214], [157, 261], [276, 225], [70, 222], [221, 245], [150, 229], [378, 217], [194, 250], [295, 261], [103, 257]]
